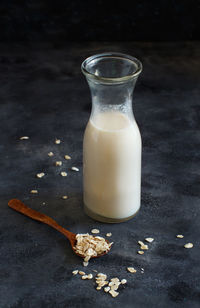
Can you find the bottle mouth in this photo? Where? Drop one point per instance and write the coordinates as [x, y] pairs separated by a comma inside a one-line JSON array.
[[111, 67]]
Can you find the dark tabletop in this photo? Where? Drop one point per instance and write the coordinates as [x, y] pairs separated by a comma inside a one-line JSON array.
[[43, 95]]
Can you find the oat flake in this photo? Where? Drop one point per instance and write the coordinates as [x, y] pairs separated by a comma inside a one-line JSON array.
[[114, 279], [34, 191], [40, 175], [95, 231], [74, 169], [90, 276], [63, 173], [85, 263], [106, 289], [188, 245], [64, 197], [149, 239], [75, 272], [114, 293], [102, 276], [67, 157], [142, 245], [131, 269], [58, 163], [81, 273]]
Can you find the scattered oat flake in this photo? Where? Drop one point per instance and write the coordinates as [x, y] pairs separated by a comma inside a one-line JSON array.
[[106, 289], [81, 273], [188, 245], [58, 163], [84, 277], [64, 197], [142, 245], [114, 293], [140, 252], [34, 191], [114, 279], [95, 231], [114, 284], [102, 275], [100, 278], [75, 272], [114, 287], [57, 141], [98, 288], [87, 258], [24, 138], [63, 173], [90, 276], [67, 157], [85, 263], [102, 283], [149, 239], [40, 175], [109, 234], [123, 281], [131, 269], [50, 154], [74, 168], [180, 236]]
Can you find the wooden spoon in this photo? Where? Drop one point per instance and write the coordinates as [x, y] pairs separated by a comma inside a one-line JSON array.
[[19, 206]]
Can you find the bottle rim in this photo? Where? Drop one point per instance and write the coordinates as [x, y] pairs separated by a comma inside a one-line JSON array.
[[111, 55]]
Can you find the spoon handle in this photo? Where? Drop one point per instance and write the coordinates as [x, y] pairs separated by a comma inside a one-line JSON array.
[[19, 206]]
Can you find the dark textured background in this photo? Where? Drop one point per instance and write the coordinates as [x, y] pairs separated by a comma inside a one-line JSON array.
[[43, 95], [158, 20]]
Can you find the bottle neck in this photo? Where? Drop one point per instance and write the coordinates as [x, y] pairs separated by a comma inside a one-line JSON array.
[[112, 97]]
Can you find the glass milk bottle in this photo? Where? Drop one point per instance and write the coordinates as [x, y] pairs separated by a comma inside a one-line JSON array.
[[112, 141]]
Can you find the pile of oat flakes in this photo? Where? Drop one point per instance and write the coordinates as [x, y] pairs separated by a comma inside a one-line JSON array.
[[90, 246], [109, 286]]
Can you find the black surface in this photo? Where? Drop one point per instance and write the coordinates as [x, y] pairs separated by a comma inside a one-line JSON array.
[[43, 95], [160, 20]]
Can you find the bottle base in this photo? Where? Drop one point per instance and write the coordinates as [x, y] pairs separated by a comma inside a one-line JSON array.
[[106, 219]]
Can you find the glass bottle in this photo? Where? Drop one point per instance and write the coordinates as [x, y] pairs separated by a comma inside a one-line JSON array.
[[112, 141]]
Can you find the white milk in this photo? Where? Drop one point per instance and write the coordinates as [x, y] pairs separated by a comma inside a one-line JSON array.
[[112, 165]]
